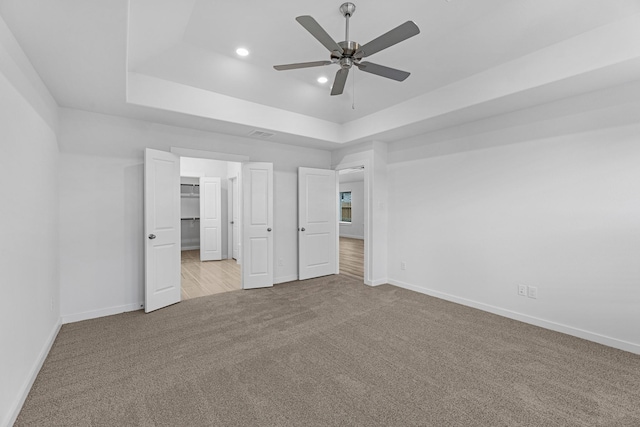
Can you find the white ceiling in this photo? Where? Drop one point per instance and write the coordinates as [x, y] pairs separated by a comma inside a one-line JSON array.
[[173, 61]]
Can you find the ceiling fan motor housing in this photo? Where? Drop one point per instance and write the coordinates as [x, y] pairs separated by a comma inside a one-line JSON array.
[[345, 59], [349, 47]]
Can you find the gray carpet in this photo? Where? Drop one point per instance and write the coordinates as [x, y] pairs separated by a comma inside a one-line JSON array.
[[324, 352]]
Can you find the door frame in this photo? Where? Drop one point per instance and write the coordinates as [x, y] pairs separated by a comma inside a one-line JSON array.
[[368, 199], [211, 155]]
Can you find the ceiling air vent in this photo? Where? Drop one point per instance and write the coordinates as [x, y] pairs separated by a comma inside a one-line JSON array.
[[261, 134]]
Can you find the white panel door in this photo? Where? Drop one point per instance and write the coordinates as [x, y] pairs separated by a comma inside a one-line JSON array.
[[317, 223], [210, 219], [162, 229], [257, 225], [235, 219]]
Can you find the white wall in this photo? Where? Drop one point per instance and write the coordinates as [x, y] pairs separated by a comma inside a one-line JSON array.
[[551, 202], [233, 169], [194, 167], [101, 256], [29, 307], [355, 229]]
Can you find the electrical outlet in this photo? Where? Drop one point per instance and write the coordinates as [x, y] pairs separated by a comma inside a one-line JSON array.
[[403, 265], [51, 303], [280, 262], [533, 292], [522, 290]]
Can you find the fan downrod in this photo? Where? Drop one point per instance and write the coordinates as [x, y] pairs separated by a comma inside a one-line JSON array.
[[347, 9], [345, 59]]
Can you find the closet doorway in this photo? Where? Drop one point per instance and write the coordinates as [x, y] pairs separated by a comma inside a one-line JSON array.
[[210, 226]]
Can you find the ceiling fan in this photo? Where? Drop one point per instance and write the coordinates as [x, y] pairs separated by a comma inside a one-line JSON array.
[[348, 53]]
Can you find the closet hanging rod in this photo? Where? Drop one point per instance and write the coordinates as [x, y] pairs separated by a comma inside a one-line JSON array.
[[191, 185], [189, 219]]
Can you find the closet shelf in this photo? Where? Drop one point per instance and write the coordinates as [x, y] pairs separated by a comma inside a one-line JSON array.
[[189, 190]]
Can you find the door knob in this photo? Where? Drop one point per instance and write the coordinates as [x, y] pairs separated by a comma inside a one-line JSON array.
[[302, 229], [268, 229], [152, 236], [231, 222]]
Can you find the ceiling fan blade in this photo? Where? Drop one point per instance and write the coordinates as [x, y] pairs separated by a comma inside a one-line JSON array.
[[339, 82], [301, 65], [381, 70], [398, 34], [319, 33]]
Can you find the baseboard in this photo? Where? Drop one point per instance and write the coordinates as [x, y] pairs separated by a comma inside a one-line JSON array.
[[547, 324], [376, 282], [285, 279], [86, 315], [349, 236], [26, 387]]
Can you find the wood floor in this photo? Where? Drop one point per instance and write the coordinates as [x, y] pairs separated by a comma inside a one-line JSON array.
[[213, 277], [207, 278], [352, 257]]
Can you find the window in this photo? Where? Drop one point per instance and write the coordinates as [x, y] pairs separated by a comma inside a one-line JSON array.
[[345, 206]]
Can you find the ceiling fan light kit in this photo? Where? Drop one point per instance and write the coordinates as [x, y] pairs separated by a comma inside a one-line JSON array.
[[348, 53]]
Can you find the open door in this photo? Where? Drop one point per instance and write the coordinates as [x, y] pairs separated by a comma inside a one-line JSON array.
[[257, 225], [317, 223], [235, 219], [162, 229], [210, 219]]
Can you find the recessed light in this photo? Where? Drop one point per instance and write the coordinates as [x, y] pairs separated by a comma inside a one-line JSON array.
[[242, 51], [322, 80]]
